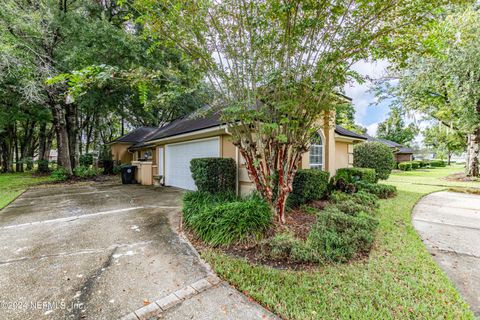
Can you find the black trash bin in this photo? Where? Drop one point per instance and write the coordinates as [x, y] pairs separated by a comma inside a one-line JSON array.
[[128, 174]]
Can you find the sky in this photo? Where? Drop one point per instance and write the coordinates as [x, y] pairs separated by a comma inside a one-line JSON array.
[[366, 114]]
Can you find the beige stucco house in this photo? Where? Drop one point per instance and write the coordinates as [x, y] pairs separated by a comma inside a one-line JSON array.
[[162, 155]]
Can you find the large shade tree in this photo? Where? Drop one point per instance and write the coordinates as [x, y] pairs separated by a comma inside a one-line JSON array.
[[441, 78], [444, 140], [394, 128], [277, 64]]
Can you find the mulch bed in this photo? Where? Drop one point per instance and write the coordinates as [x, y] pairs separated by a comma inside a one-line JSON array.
[[299, 222], [461, 177]]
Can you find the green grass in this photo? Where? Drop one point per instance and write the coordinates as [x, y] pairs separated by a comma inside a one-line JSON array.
[[14, 184], [400, 280]]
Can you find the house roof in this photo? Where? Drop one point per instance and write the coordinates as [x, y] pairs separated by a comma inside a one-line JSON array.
[[145, 136], [344, 132], [186, 124], [137, 135], [392, 144]]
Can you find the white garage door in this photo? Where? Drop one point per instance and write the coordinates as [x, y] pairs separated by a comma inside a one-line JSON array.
[[178, 156]]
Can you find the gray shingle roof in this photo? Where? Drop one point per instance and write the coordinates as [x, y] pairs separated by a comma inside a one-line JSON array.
[[137, 135], [391, 144], [344, 132]]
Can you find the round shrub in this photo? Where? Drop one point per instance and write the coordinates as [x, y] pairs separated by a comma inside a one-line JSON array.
[[214, 174], [308, 185], [374, 155], [437, 163], [405, 166], [86, 159]]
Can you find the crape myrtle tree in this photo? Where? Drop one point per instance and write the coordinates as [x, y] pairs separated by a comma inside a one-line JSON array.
[[441, 78], [277, 64]]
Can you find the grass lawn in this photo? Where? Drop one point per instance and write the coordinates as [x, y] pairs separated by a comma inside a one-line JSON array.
[[399, 280], [13, 184]]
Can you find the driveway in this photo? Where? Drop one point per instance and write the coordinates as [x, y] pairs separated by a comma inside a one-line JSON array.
[[98, 251], [449, 225]]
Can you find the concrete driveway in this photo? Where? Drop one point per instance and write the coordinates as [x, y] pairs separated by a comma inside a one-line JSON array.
[[449, 225], [98, 251]]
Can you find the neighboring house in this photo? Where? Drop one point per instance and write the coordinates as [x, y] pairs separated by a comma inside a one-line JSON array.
[[167, 151], [400, 152]]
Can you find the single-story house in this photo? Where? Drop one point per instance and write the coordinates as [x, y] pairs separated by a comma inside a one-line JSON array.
[[400, 152], [164, 153]]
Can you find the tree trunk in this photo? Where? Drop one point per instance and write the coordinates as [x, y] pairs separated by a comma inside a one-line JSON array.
[[62, 138], [449, 158], [72, 129], [473, 154], [42, 141]]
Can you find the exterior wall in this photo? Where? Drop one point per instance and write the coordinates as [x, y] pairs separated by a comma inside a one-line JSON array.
[[120, 153], [402, 157], [343, 155]]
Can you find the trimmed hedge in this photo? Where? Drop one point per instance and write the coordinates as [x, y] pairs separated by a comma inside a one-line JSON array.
[[382, 191], [405, 166], [374, 155], [437, 163], [351, 175], [308, 185], [214, 174], [223, 219]]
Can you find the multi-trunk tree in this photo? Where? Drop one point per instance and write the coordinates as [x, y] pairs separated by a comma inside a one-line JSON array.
[[276, 66]]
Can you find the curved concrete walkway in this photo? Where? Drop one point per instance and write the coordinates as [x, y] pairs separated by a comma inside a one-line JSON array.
[[449, 225]]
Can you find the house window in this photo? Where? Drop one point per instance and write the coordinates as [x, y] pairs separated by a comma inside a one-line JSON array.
[[316, 152]]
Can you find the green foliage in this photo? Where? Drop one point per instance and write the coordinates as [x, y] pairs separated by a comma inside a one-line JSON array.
[[437, 163], [383, 191], [117, 169], [351, 175], [444, 140], [214, 174], [60, 174], [86, 159], [394, 128], [43, 166], [220, 219], [374, 155], [308, 185], [405, 166], [338, 237], [363, 198], [345, 117], [86, 172]]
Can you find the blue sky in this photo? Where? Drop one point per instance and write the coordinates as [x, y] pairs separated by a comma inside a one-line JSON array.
[[367, 115]]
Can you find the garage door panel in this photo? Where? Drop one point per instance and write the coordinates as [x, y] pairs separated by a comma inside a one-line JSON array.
[[178, 157]]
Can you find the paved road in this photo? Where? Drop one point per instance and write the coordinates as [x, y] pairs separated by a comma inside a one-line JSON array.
[[449, 225], [98, 251]]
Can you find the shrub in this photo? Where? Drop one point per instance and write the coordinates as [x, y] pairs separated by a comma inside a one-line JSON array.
[[352, 175], [43, 166], [219, 221], [281, 246], [374, 155], [214, 174], [338, 237], [86, 159], [86, 172], [363, 198], [196, 201], [59, 174], [382, 191], [424, 163], [405, 166], [437, 163], [308, 185], [116, 169]]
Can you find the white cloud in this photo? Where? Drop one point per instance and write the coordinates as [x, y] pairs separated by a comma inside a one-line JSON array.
[[360, 93], [372, 129]]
